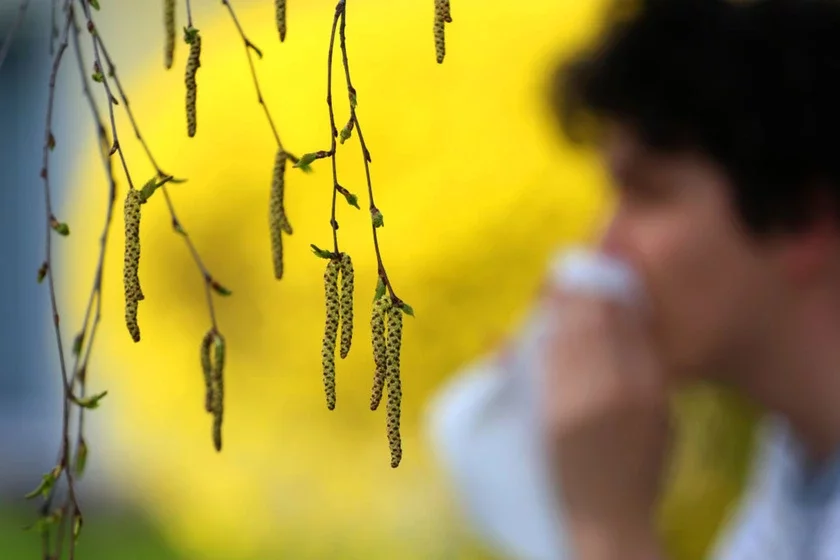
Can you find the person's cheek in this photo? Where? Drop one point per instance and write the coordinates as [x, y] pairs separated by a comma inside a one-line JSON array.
[[665, 252]]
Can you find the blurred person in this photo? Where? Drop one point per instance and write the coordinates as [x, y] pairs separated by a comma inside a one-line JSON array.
[[717, 123]]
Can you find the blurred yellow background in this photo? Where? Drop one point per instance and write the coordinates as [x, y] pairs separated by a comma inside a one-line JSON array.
[[476, 187]]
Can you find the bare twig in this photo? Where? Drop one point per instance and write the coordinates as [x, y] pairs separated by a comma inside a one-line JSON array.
[[7, 43], [249, 46], [83, 342], [97, 66], [189, 15], [341, 10], [87, 334], [53, 26], [52, 224]]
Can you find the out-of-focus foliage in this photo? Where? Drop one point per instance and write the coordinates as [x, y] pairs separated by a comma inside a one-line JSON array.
[[476, 188], [107, 536]]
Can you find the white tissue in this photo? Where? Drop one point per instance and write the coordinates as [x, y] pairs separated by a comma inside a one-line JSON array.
[[484, 424]]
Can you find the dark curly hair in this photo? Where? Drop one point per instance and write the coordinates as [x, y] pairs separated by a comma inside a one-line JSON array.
[[753, 84]]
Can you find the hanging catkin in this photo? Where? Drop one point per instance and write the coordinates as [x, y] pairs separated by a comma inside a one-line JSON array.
[[380, 349], [441, 15], [207, 368], [131, 261], [218, 388], [394, 384], [330, 330], [278, 222], [193, 64], [169, 26], [280, 16], [346, 306]]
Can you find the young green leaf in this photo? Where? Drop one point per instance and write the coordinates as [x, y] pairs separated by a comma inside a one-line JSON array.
[[320, 252], [219, 289], [378, 218], [42, 272], [352, 199], [77, 343], [306, 159], [47, 482], [91, 402], [59, 227], [347, 131], [77, 525], [407, 309], [380, 290], [81, 458]]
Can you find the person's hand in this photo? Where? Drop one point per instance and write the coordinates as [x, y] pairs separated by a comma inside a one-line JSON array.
[[606, 415]]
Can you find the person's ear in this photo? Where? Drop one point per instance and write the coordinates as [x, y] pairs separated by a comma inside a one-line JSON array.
[[811, 254]]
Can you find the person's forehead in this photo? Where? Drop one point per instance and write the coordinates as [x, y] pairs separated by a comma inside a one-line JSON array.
[[626, 153]]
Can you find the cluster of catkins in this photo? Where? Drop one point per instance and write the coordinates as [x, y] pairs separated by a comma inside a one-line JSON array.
[[386, 334], [339, 310], [387, 311], [386, 355]]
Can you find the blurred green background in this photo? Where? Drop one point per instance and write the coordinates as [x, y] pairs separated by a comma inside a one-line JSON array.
[[477, 189]]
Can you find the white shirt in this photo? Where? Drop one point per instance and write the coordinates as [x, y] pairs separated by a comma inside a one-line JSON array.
[[791, 510]]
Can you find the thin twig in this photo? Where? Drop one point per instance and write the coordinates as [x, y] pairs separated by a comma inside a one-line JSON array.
[[87, 333], [7, 43], [341, 10], [52, 223], [189, 15], [83, 344], [249, 46], [98, 66], [210, 283], [53, 27]]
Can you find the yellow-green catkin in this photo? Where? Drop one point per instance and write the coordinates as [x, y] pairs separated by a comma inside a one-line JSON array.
[[217, 384], [193, 64], [131, 261], [447, 13], [280, 16], [278, 222], [441, 15], [380, 349], [169, 26], [330, 330], [207, 368], [346, 307], [394, 384]]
